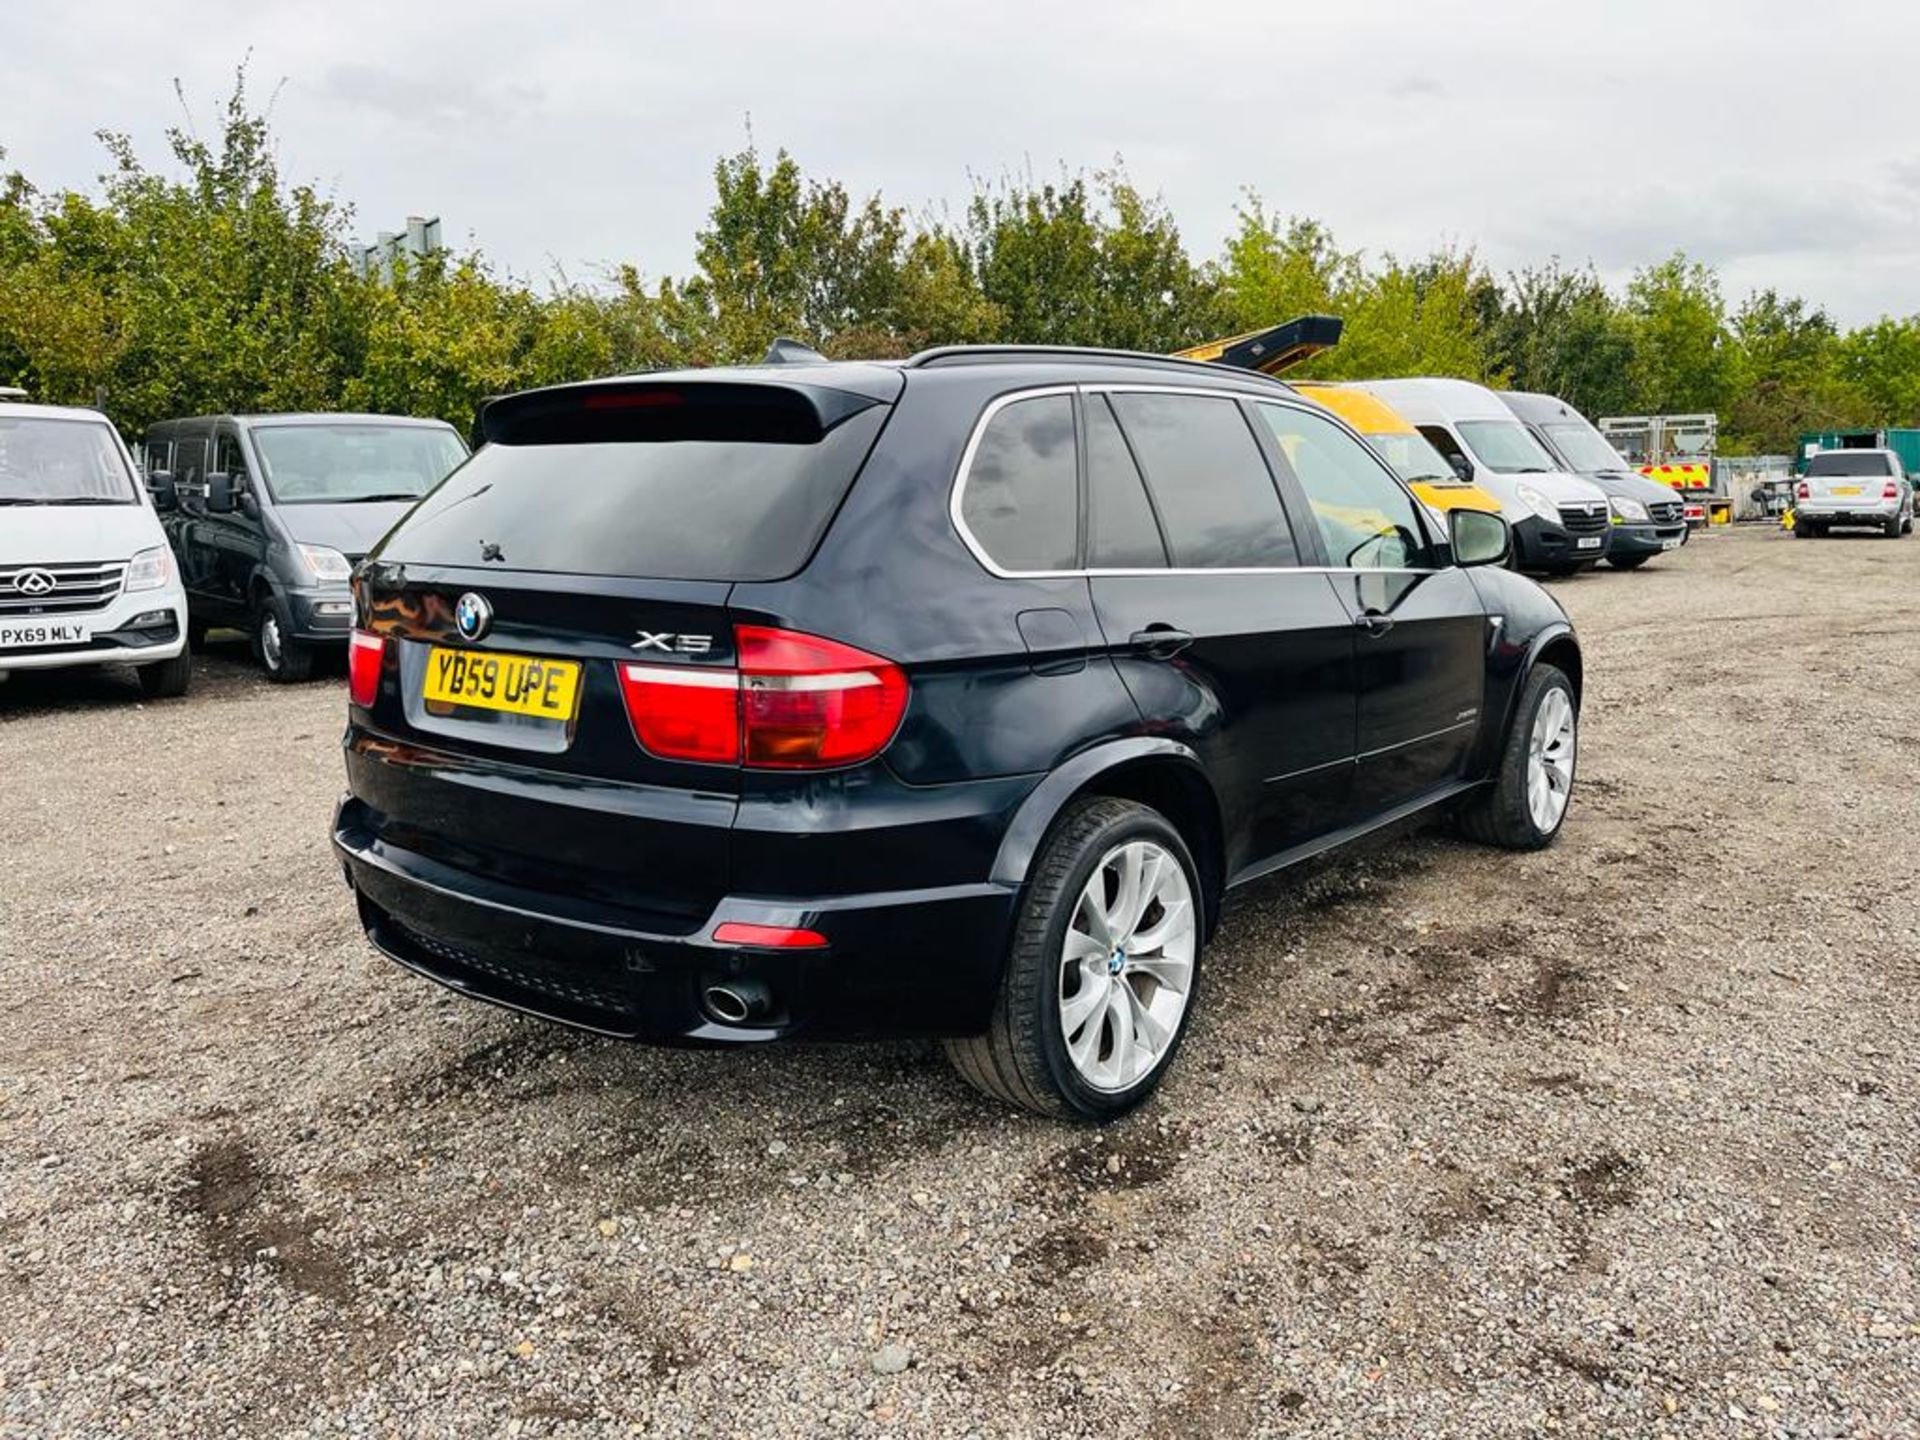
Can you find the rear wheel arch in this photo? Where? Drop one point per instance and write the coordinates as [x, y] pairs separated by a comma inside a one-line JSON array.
[[1162, 774]]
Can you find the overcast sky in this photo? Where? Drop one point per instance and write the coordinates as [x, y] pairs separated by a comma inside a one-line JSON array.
[[1779, 141]]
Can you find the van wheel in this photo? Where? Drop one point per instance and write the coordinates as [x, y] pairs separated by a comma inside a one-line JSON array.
[[1893, 528], [1525, 805], [1101, 972], [285, 659], [1629, 562], [167, 679]]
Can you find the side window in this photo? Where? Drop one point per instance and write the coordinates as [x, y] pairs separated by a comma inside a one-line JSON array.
[[1442, 440], [1022, 493], [159, 455], [1209, 482], [1367, 520], [228, 458], [1122, 533]]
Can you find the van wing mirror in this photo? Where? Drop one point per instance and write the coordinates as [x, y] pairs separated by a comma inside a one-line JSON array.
[[220, 493], [1479, 537], [160, 486], [1462, 467]]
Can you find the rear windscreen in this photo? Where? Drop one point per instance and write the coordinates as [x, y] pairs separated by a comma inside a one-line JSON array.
[[1856, 464], [660, 490]]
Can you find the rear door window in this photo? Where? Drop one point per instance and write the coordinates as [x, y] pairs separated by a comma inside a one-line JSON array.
[[1021, 500], [706, 483], [1210, 484]]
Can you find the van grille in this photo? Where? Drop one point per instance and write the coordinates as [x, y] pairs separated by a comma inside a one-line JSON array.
[[1667, 512], [75, 588], [1584, 519]]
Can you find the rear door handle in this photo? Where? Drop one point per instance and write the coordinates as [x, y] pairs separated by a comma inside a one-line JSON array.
[[1374, 623], [1159, 642]]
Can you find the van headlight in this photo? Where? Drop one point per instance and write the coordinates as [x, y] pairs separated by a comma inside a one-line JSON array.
[[1537, 503], [1626, 509], [326, 564], [149, 569]]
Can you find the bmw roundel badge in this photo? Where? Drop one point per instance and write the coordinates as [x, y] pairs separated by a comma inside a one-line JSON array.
[[472, 616]]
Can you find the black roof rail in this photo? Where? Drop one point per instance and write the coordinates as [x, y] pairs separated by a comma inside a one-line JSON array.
[[943, 355]]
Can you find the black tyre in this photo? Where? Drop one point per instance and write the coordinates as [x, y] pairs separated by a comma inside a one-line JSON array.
[[285, 659], [1102, 969], [1805, 530], [1629, 562], [1533, 785], [1893, 527], [167, 679]]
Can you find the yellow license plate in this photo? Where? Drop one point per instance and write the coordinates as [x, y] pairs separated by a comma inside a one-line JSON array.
[[489, 680], [1844, 490]]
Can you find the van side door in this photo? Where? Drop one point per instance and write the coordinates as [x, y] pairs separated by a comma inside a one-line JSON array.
[[238, 538]]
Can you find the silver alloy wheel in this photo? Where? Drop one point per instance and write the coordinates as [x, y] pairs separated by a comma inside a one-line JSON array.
[[270, 638], [1126, 967], [1550, 757]]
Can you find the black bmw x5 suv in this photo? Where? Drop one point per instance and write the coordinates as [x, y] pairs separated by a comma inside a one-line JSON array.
[[947, 697]]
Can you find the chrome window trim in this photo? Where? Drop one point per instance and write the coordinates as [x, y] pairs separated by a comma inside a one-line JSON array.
[[957, 493]]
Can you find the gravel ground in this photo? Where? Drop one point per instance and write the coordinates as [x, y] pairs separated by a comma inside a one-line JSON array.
[[1616, 1139]]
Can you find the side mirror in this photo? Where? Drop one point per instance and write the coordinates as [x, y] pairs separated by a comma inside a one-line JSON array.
[[1462, 467], [1479, 537], [219, 493], [160, 486]]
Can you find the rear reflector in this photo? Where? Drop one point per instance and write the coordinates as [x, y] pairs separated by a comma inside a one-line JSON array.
[[364, 654], [768, 937], [796, 702]]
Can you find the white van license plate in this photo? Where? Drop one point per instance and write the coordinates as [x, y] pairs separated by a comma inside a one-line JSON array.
[[1587, 542], [1669, 544], [34, 634]]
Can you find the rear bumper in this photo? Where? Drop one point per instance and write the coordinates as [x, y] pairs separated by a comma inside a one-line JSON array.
[[923, 962], [1860, 512]]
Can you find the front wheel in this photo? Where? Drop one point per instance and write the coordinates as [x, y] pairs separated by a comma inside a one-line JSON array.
[[167, 679], [1629, 562], [1101, 972], [1525, 805], [285, 659]]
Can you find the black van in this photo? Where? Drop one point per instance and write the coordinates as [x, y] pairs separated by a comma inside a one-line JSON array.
[[268, 514]]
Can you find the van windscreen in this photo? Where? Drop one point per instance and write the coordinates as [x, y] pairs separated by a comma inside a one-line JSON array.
[[691, 488], [61, 462]]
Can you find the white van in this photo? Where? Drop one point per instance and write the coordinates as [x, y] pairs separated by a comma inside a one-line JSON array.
[[86, 577], [1560, 523]]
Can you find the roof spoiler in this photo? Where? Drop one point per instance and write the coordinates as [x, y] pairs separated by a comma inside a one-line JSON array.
[[1270, 351]]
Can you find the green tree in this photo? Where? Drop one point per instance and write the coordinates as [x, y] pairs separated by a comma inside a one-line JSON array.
[[1681, 359], [1561, 333]]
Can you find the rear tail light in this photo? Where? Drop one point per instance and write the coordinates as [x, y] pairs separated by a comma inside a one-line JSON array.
[[1891, 491], [794, 702], [364, 655], [1802, 492]]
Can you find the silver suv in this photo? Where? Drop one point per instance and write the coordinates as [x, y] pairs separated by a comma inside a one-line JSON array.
[[1853, 487]]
